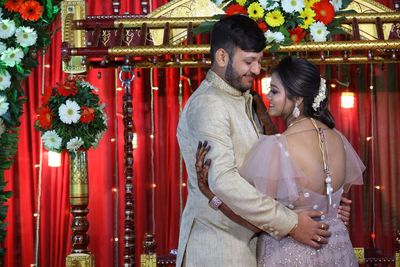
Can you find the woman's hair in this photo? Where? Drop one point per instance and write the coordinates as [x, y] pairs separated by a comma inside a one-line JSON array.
[[300, 78], [236, 31]]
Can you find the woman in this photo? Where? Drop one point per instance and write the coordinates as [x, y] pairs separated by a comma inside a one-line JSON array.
[[307, 167]]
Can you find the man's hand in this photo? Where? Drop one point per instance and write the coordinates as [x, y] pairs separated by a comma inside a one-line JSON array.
[[344, 210], [310, 232]]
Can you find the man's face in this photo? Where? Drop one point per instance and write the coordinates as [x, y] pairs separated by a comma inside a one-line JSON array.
[[243, 67]]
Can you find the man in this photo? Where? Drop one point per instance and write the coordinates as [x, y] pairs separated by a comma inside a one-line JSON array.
[[220, 111]]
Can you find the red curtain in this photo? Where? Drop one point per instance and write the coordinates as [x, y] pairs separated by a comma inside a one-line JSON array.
[[159, 176]]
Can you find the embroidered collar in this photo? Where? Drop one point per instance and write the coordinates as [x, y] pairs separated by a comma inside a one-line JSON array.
[[220, 84]]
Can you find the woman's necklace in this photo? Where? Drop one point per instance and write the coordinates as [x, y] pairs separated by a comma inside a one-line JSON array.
[[296, 121]]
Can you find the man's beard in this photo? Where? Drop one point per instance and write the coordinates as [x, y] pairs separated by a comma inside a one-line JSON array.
[[234, 79]]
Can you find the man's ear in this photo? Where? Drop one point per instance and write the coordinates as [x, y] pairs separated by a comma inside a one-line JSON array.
[[221, 58]]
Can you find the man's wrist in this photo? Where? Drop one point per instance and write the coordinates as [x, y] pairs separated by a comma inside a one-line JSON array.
[[293, 229]]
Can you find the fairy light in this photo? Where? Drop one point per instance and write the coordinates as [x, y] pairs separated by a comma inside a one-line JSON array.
[[112, 140], [183, 184], [36, 165], [153, 185], [378, 187], [114, 189]]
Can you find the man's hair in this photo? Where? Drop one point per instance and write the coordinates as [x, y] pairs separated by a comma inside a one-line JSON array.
[[236, 31]]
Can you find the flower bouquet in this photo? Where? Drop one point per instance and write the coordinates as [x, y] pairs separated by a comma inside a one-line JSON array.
[[285, 22], [71, 117]]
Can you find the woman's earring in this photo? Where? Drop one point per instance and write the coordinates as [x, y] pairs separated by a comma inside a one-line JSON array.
[[296, 111]]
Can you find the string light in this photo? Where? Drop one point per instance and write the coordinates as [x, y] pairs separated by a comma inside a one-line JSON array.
[[114, 189], [35, 214], [112, 140], [378, 187], [153, 185], [36, 165], [183, 184]]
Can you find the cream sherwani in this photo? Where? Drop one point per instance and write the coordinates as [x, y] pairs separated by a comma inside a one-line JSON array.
[[222, 115]]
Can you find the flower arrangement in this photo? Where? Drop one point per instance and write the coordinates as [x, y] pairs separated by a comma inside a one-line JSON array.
[[24, 30], [71, 117], [285, 22]]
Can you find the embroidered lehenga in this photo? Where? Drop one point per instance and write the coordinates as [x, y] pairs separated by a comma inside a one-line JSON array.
[[272, 167]]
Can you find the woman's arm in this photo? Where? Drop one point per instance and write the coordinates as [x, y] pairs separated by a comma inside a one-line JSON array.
[[202, 180]]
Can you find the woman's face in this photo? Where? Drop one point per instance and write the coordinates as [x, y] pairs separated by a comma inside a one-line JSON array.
[[279, 105]]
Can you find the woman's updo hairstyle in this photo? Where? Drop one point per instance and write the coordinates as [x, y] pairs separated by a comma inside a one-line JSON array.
[[300, 78]]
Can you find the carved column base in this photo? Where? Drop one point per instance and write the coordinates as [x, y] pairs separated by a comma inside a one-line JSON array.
[[80, 260]]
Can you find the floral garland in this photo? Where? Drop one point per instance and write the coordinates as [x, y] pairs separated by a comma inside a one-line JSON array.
[[71, 117], [24, 30], [285, 22]]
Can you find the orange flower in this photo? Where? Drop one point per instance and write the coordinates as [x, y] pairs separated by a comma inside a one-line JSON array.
[[235, 9], [13, 5], [324, 12], [297, 34], [87, 115], [44, 117], [31, 10], [262, 25]]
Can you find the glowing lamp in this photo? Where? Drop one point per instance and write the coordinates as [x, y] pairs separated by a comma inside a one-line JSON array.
[[54, 159], [347, 100]]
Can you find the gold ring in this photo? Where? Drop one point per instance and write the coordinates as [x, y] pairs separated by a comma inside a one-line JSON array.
[[319, 239], [323, 226]]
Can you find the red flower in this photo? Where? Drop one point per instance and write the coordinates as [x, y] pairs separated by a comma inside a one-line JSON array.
[[297, 34], [235, 9], [66, 89], [324, 12], [262, 25], [31, 10], [13, 5], [87, 114], [47, 94], [44, 117]]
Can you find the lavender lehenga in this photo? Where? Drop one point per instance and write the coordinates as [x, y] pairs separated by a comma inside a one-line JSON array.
[[271, 168]]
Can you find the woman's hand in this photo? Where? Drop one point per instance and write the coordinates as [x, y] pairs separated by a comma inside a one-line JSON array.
[[202, 169], [262, 114]]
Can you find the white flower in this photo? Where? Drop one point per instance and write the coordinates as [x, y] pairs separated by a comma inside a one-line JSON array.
[[69, 112], [5, 80], [86, 84], [337, 4], [263, 3], [74, 144], [7, 28], [3, 105], [3, 47], [321, 95], [26, 36], [276, 37], [12, 56], [290, 6], [2, 127], [51, 140], [318, 32]]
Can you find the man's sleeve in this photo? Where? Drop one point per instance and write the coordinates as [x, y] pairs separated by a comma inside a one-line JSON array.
[[210, 120]]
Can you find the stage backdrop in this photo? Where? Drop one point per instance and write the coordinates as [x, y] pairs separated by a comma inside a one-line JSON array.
[[160, 187]]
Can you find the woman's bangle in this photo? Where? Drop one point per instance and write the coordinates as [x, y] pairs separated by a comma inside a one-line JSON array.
[[215, 203]]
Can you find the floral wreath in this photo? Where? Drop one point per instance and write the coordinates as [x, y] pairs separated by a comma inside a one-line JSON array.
[[71, 117]]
